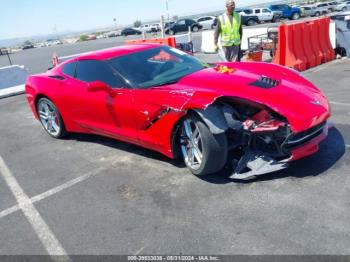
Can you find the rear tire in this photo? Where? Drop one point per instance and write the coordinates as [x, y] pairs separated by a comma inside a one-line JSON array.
[[50, 118], [317, 14], [203, 152], [171, 32]]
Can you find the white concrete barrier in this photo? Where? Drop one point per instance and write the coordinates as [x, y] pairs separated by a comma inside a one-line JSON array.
[[207, 45], [12, 79], [332, 34], [182, 39], [12, 76]]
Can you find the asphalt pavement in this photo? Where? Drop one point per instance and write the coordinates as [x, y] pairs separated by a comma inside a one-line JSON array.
[[94, 195]]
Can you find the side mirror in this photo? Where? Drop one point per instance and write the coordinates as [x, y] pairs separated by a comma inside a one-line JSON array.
[[98, 86]]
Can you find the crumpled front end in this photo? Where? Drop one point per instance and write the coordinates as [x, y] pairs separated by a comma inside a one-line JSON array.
[[260, 140]]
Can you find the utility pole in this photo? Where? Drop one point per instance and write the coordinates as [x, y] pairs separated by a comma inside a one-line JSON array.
[[167, 9], [55, 31], [115, 23]]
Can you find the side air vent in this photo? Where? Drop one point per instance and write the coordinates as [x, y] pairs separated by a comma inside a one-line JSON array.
[[265, 82], [57, 77]]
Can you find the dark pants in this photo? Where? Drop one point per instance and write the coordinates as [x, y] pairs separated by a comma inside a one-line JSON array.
[[232, 53]]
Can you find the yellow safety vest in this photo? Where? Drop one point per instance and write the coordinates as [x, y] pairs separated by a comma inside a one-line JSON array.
[[230, 32]]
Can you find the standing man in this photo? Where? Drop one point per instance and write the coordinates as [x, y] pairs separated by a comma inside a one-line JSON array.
[[229, 27]]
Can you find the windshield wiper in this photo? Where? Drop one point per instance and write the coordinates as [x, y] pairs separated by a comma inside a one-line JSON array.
[[168, 82]]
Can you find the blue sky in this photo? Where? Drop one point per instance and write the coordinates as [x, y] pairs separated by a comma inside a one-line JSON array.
[[24, 18]]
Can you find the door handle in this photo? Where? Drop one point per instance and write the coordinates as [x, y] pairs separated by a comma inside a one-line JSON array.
[[114, 93]]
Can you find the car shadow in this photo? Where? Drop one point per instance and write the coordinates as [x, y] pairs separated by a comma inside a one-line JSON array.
[[124, 146], [331, 151]]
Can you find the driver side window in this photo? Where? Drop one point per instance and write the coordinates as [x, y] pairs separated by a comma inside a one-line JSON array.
[[93, 70]]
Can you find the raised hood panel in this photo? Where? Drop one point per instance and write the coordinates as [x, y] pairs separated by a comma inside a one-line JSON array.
[[295, 98]]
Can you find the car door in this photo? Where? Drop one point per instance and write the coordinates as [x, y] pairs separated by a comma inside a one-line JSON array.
[[202, 21], [257, 12], [268, 15], [189, 23], [181, 26], [155, 104], [106, 111], [207, 22]]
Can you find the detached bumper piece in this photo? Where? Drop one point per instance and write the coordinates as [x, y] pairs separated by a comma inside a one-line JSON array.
[[255, 163]]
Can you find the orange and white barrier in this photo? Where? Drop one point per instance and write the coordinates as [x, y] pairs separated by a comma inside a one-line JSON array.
[[170, 41], [304, 45]]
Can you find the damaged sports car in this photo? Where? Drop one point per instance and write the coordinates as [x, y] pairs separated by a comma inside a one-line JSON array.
[[254, 118]]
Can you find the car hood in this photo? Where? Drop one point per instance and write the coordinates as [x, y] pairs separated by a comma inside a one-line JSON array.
[[294, 97]]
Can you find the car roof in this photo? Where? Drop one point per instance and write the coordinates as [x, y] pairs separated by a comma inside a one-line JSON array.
[[112, 52], [206, 16]]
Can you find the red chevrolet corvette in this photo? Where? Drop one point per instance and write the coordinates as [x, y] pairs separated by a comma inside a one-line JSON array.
[[256, 117]]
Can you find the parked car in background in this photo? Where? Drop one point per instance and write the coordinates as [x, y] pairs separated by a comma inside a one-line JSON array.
[[342, 6], [309, 10], [287, 11], [247, 17], [332, 5], [167, 24], [266, 15], [39, 45], [144, 28], [113, 33], [322, 8], [263, 14], [206, 21], [27, 46], [154, 27], [4, 51], [52, 42], [182, 25], [249, 20], [130, 31]]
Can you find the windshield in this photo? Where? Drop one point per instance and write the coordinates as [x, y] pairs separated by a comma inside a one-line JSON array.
[[156, 66]]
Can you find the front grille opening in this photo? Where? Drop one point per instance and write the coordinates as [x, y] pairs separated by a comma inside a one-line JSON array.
[[305, 136]]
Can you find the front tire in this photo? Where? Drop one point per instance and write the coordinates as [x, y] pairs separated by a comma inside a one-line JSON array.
[[251, 22], [195, 29], [50, 118], [276, 19], [203, 152], [295, 16]]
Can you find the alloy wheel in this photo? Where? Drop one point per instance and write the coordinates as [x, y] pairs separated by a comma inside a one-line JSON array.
[[191, 144], [49, 117]]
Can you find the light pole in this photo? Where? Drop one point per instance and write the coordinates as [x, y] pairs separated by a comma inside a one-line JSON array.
[[55, 31], [115, 23], [167, 9]]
